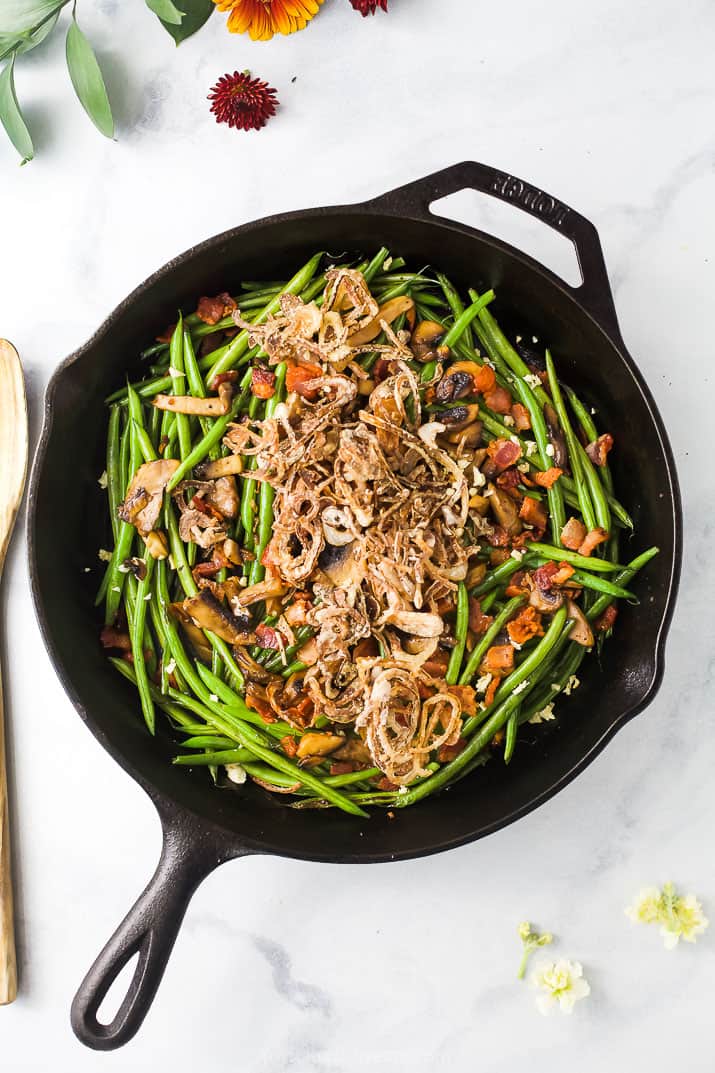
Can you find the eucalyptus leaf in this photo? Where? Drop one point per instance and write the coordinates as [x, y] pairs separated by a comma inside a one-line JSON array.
[[87, 80], [196, 13], [20, 16], [166, 11], [20, 43], [11, 116]]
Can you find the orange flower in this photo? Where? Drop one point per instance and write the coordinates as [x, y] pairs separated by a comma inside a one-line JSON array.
[[263, 18]]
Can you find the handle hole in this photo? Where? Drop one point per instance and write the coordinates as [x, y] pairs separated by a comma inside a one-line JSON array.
[[511, 224], [111, 1004]]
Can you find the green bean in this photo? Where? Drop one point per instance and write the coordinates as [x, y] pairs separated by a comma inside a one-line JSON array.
[[265, 500], [466, 318], [480, 649], [512, 725], [496, 577], [496, 721], [460, 634], [208, 741], [600, 584], [137, 639], [114, 492], [202, 448], [456, 305], [591, 433], [508, 354], [626, 574], [572, 557], [556, 679], [582, 489], [218, 756], [178, 385], [240, 344], [375, 265]]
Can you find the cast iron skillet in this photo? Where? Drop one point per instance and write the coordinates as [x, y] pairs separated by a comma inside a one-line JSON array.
[[203, 827]]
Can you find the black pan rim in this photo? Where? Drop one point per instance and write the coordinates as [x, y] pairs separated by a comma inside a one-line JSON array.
[[167, 805]]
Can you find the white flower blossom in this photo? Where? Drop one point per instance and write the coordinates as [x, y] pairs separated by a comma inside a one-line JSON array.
[[561, 984], [679, 916]]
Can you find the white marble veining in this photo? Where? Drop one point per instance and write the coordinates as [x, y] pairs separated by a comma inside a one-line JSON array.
[[283, 966]]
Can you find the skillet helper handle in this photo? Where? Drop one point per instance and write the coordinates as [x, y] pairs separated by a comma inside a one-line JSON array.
[[595, 291], [8, 966], [149, 930]]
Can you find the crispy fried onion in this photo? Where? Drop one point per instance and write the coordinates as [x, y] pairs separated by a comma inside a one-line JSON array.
[[401, 729]]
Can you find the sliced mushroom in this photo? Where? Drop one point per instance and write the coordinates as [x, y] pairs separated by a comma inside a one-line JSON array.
[[505, 510], [354, 749], [142, 505], [456, 418], [207, 613], [272, 585], [466, 437], [196, 637], [416, 623], [457, 382], [213, 406], [338, 562], [223, 495], [546, 601], [157, 544], [316, 744], [387, 313], [253, 670], [581, 631], [336, 527], [220, 467], [426, 342], [557, 439]]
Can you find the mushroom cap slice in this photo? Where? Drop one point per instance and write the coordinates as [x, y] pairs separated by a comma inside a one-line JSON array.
[[142, 504], [207, 613]]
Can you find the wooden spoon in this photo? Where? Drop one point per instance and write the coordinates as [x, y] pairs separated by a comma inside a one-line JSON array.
[[13, 467]]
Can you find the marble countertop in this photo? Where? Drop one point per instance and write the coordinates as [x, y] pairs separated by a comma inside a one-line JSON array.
[[283, 966]]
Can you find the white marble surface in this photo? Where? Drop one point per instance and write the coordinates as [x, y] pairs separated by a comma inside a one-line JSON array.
[[318, 969]]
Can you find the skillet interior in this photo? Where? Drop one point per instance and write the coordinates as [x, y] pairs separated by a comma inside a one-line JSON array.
[[68, 525]]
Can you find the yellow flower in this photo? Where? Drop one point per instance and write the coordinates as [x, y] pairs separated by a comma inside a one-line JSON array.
[[680, 917], [531, 940], [264, 18], [561, 984]]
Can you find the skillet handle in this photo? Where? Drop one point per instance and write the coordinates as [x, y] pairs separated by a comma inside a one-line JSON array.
[[150, 929], [594, 293]]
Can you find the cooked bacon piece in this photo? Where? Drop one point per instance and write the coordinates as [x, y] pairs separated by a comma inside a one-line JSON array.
[[299, 377], [166, 335], [499, 400], [573, 534], [498, 659], [268, 637], [467, 698], [563, 574], [479, 623], [502, 454], [197, 502], [548, 478], [499, 556], [509, 479], [382, 369], [212, 310], [522, 420], [607, 620], [497, 537], [386, 784], [544, 577], [445, 753], [518, 585], [598, 450], [525, 625], [290, 746], [260, 705], [342, 767], [485, 380], [533, 512], [111, 637], [263, 382], [592, 540], [437, 664], [492, 688], [211, 567]]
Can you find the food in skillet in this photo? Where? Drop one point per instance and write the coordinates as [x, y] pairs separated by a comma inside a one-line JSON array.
[[360, 536]]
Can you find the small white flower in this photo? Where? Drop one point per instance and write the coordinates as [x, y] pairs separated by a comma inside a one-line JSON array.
[[561, 984], [545, 715], [532, 380], [531, 448], [680, 917], [104, 555], [102, 480]]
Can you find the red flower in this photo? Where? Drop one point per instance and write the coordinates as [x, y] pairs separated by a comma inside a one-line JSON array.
[[242, 101], [368, 7]]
